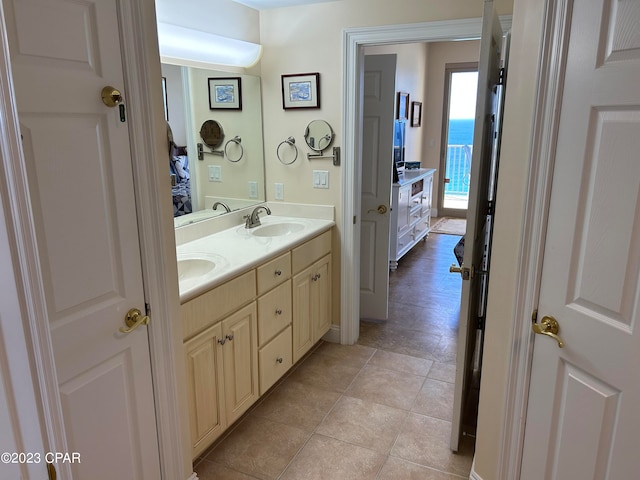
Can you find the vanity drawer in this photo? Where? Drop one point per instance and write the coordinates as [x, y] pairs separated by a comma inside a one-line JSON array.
[[274, 273], [275, 359], [306, 254], [208, 308], [405, 241], [274, 312]]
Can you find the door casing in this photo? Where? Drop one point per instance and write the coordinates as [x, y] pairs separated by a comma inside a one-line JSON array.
[[148, 133]]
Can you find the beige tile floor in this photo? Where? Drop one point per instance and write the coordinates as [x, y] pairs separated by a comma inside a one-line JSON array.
[[377, 410]]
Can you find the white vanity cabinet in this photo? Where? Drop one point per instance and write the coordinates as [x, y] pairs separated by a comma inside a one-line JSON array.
[[410, 212], [241, 336]]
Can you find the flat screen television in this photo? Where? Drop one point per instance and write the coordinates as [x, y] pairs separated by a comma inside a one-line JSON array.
[[398, 143]]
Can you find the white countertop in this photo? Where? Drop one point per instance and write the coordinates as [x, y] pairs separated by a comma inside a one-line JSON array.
[[410, 176], [237, 249]]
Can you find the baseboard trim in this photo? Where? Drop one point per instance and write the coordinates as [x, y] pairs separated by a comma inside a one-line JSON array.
[[333, 335], [472, 474]]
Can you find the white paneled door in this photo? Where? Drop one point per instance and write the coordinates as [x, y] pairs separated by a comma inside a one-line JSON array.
[[582, 419], [79, 166], [377, 173], [478, 230]]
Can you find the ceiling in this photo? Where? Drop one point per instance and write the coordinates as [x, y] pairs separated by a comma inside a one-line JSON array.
[[267, 4]]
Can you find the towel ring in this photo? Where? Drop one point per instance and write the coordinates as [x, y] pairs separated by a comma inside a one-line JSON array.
[[291, 142], [236, 140]]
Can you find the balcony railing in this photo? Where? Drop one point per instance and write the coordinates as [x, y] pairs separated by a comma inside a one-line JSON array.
[[458, 169]]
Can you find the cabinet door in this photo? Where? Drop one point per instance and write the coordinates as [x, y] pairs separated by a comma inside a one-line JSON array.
[[240, 332], [321, 298], [302, 326], [205, 388], [403, 208]]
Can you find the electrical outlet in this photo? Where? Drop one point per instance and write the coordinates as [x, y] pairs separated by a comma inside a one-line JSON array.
[[320, 179], [253, 189], [215, 173], [279, 191]]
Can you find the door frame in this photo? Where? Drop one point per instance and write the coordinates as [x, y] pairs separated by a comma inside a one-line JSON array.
[[156, 233], [450, 68], [554, 38], [553, 41], [353, 41]]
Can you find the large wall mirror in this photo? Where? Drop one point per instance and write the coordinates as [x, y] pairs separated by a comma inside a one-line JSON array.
[[235, 177]]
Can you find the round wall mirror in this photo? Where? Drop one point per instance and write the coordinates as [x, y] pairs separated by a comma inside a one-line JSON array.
[[318, 135], [211, 133]]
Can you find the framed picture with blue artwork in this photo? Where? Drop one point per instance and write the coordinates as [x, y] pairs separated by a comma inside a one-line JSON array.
[[301, 90], [225, 93]]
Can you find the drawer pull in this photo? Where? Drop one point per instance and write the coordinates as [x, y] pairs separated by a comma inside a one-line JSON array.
[[279, 360], [278, 311], [278, 273]]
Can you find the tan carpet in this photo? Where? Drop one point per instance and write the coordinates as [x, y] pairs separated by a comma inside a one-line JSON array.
[[449, 226]]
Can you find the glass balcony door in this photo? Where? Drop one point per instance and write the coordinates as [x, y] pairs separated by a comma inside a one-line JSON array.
[[457, 138]]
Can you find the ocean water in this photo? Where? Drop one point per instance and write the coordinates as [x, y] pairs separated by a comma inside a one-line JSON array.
[[461, 131]]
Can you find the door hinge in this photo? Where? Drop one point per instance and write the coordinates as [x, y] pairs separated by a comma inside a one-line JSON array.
[[51, 472]]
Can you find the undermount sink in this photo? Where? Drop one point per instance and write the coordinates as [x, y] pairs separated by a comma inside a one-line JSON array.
[[190, 268], [276, 229]]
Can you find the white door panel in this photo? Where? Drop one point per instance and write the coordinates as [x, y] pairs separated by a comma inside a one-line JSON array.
[[478, 228], [377, 157], [80, 176], [582, 415]]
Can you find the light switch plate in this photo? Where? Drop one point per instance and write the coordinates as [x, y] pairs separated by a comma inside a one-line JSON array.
[[279, 191], [253, 189], [320, 179], [215, 173]]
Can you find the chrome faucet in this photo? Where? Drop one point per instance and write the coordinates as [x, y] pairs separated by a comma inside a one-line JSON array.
[[253, 220], [226, 207]]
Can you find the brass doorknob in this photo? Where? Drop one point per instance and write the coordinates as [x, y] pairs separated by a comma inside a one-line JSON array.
[[111, 96], [382, 209], [133, 320], [548, 326]]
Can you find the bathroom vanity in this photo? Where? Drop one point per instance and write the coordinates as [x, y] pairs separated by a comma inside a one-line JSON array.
[[245, 327]]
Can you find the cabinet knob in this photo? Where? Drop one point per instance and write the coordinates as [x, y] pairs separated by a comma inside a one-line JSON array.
[[279, 360], [278, 311], [278, 273], [222, 341], [229, 337]]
